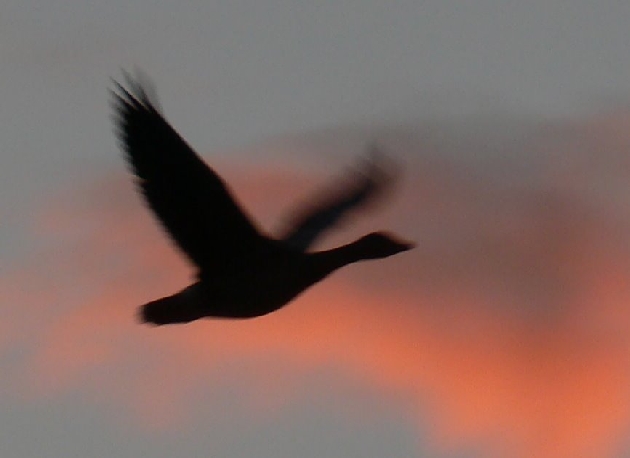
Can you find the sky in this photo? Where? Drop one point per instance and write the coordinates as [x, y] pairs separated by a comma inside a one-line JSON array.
[[504, 333]]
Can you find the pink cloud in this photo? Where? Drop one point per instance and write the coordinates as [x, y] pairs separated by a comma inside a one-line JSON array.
[[506, 326]]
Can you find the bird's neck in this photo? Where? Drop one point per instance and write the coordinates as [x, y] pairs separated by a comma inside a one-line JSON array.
[[341, 256]]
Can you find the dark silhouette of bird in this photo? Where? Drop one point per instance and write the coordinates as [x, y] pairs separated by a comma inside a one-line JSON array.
[[241, 272]]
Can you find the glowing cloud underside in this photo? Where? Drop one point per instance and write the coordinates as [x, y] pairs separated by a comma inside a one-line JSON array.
[[508, 324]]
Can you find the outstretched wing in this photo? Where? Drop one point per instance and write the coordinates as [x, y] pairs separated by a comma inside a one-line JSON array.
[[326, 211], [188, 197]]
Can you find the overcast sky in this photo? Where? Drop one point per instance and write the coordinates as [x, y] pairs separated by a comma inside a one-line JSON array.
[[504, 333]]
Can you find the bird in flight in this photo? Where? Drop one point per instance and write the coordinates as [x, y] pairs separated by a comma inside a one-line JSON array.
[[240, 271]]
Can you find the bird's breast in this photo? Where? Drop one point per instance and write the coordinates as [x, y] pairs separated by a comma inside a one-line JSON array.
[[248, 292]]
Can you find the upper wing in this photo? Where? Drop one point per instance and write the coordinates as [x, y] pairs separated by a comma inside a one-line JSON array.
[[313, 220], [189, 198]]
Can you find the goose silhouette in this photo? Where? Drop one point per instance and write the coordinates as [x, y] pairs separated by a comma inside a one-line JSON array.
[[241, 272]]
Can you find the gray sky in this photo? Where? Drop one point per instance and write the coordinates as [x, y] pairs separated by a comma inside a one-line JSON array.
[[234, 76]]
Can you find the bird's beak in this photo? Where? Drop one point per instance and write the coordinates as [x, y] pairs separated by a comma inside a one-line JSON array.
[[406, 246]]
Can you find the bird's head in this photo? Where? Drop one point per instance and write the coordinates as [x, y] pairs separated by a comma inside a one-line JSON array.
[[381, 245]]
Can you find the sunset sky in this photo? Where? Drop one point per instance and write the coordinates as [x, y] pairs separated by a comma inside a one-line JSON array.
[[505, 333]]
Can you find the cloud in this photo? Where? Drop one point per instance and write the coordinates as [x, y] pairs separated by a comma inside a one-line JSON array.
[[507, 325]]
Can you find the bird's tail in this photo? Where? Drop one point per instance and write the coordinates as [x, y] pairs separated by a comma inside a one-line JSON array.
[[178, 308]]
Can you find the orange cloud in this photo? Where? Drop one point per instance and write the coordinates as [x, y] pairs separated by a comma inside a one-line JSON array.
[[506, 327]]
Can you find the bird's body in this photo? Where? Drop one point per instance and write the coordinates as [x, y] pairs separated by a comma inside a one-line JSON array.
[[251, 286], [242, 273]]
